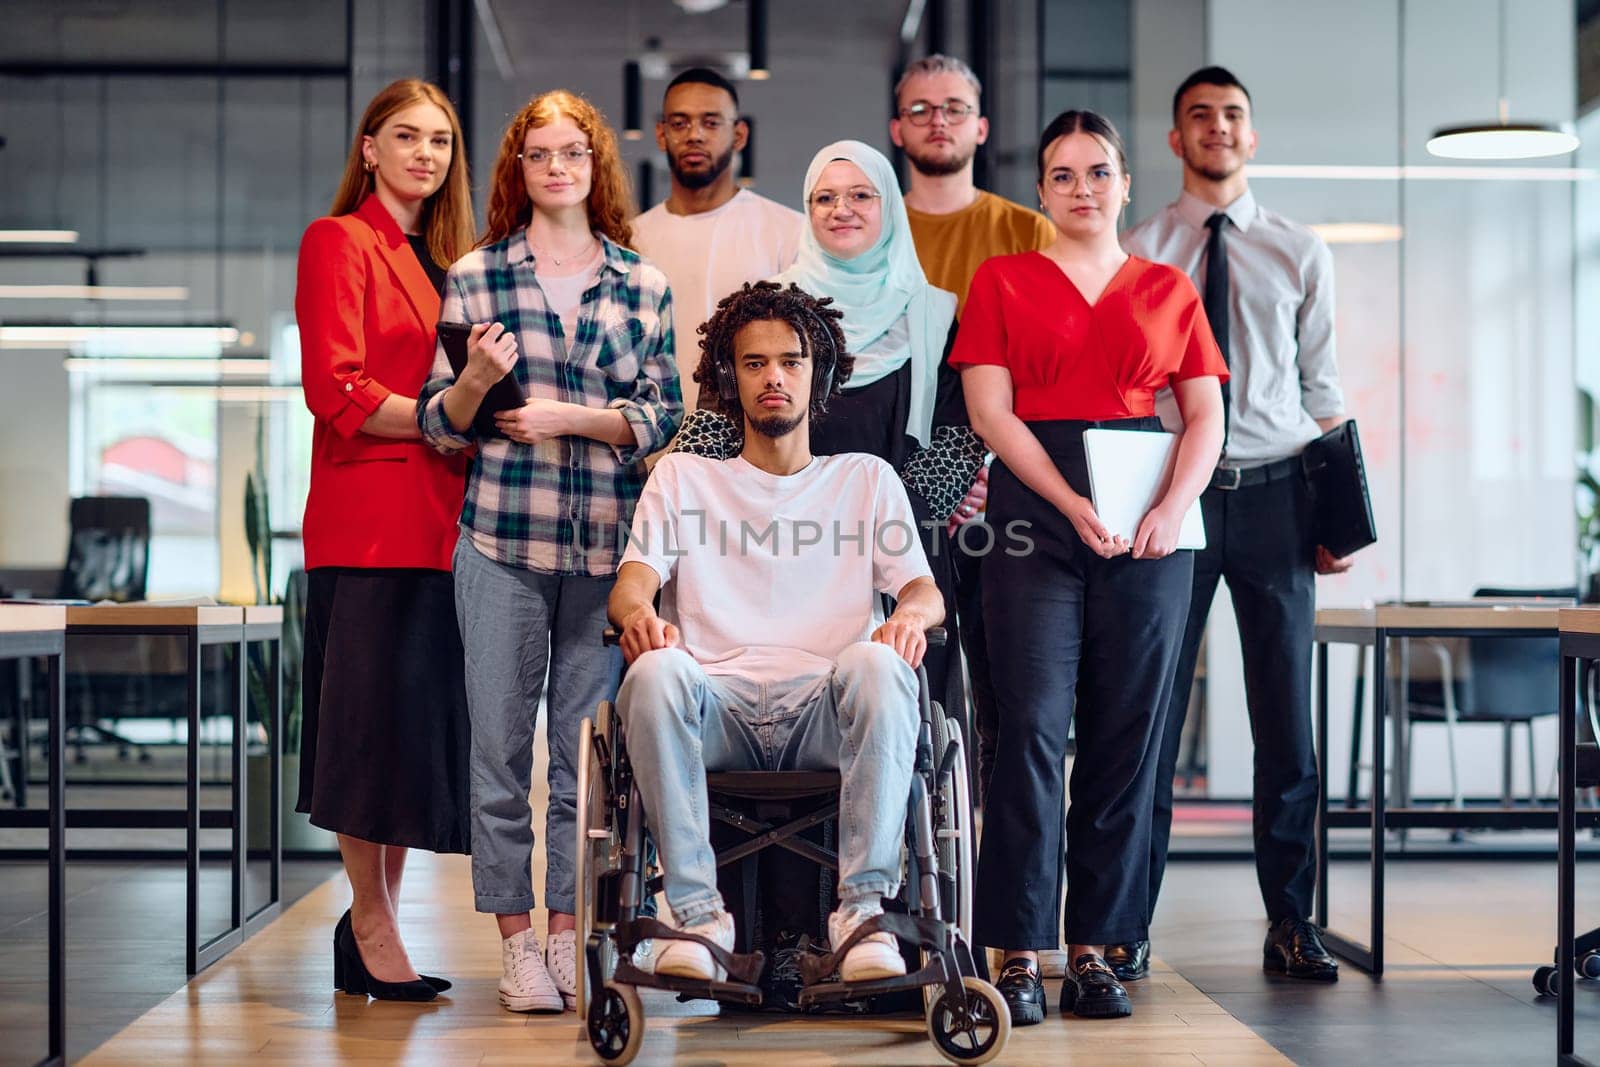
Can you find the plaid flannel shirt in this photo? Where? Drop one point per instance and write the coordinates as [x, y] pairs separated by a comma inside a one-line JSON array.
[[557, 507]]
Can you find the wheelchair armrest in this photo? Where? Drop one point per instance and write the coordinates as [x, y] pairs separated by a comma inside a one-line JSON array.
[[936, 636]]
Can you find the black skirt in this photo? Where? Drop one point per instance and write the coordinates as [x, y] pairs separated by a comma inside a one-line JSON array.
[[385, 737]]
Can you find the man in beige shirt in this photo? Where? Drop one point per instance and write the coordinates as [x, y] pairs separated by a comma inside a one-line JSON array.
[[956, 226]]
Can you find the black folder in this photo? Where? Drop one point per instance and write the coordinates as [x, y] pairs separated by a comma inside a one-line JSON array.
[[1341, 506], [504, 395]]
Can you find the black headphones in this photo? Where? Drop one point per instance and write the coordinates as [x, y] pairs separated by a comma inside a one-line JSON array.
[[822, 368]]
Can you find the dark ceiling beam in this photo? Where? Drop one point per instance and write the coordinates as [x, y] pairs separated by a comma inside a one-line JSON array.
[[206, 69]]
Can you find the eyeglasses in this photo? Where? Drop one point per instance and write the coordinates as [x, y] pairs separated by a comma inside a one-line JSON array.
[[921, 112], [858, 199], [540, 158], [681, 124], [1064, 181]]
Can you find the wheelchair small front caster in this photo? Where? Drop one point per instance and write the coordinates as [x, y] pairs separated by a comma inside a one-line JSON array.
[[975, 1032], [1544, 981], [616, 1024], [1587, 965]]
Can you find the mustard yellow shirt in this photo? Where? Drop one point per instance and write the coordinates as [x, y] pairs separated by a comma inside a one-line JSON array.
[[951, 246]]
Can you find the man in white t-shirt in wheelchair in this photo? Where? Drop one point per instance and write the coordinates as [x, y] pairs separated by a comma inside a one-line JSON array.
[[768, 652]]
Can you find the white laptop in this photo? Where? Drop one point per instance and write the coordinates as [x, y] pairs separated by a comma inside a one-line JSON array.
[[1128, 474]]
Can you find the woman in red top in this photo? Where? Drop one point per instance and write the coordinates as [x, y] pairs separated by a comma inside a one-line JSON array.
[[1053, 342], [385, 734]]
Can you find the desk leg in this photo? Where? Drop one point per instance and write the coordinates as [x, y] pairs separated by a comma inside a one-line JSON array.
[[275, 748], [1358, 707], [192, 807], [1321, 916], [1367, 958], [56, 704], [1567, 862], [241, 709]]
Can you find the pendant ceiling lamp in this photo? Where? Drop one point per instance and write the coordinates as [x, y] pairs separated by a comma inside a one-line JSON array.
[[1502, 139]]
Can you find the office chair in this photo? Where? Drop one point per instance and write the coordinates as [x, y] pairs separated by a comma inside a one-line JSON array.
[[108, 558], [1509, 681]]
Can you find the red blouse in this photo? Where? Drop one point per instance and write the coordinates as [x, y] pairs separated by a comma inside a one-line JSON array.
[[1070, 359]]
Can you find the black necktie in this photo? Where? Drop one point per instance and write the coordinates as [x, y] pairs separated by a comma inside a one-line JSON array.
[[1216, 301]]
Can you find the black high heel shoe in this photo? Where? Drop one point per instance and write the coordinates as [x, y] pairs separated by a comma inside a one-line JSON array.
[[350, 972], [440, 985]]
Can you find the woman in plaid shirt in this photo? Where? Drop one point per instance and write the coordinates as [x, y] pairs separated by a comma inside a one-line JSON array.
[[558, 300]]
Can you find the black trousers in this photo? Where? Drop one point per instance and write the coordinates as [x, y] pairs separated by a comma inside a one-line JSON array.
[[1259, 540], [1069, 631]]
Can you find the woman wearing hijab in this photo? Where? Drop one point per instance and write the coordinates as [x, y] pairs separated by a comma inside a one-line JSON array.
[[902, 403]]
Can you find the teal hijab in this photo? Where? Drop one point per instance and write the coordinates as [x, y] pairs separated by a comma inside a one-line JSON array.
[[878, 287]]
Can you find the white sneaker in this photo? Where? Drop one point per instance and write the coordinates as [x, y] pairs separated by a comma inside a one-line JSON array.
[[686, 959], [873, 957], [525, 983], [645, 953], [561, 960]]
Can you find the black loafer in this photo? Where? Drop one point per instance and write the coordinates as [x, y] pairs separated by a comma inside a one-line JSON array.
[[1294, 947], [1091, 991], [1129, 961], [1019, 984]]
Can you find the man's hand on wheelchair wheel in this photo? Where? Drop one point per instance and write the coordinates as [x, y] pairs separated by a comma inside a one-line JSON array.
[[906, 638], [645, 631]]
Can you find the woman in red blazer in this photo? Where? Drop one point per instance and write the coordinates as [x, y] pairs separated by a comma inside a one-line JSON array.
[[385, 734]]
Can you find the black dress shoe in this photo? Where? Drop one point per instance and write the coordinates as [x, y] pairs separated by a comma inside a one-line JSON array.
[[1129, 961], [350, 972], [1294, 947], [1091, 991], [440, 985], [1019, 984]]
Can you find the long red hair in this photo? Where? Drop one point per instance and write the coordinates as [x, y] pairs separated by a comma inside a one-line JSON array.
[[447, 216], [511, 209]]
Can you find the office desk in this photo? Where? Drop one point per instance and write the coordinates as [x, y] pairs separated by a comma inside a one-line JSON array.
[[28, 631], [1374, 628], [1580, 640]]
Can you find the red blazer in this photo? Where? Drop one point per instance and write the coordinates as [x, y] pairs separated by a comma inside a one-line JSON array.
[[366, 312]]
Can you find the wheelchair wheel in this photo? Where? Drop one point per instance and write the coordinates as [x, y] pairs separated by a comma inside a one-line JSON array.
[[972, 1033], [1544, 981], [615, 1024], [594, 844], [1588, 965]]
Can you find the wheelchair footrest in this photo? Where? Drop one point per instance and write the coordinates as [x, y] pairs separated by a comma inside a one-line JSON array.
[[688, 988], [829, 992]]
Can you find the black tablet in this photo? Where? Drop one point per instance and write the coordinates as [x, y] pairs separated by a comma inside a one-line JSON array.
[[502, 395]]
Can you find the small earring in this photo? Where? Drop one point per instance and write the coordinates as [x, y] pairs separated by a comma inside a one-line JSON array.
[[370, 167], [1127, 200]]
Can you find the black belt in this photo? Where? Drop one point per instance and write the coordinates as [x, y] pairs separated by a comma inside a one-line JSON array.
[[1231, 478]]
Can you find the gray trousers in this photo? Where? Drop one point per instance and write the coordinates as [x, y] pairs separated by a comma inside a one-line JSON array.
[[514, 624], [861, 719]]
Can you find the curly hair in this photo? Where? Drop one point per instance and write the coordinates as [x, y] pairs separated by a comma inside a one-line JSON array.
[[811, 318], [510, 208]]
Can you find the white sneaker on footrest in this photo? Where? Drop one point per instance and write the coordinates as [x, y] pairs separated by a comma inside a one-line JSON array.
[[874, 957], [687, 959]]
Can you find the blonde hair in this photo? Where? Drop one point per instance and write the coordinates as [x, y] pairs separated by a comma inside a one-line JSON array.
[[511, 209], [447, 216]]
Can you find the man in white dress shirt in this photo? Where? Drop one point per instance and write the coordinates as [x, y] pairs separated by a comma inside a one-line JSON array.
[[1267, 285], [709, 236]]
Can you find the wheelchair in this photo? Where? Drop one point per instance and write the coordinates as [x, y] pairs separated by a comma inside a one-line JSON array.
[[966, 1018]]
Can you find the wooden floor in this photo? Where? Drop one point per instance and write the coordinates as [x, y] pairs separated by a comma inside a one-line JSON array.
[[272, 1002]]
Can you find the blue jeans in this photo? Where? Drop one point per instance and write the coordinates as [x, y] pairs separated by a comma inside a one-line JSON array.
[[860, 719], [514, 624]]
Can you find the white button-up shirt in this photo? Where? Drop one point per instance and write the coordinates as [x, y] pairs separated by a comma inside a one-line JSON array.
[[1280, 325]]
